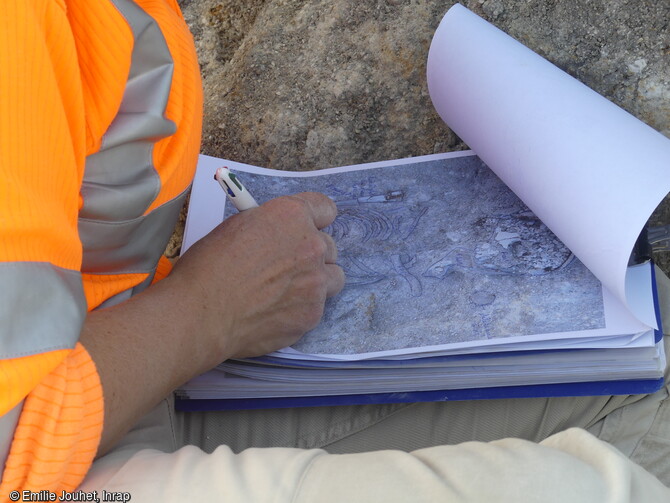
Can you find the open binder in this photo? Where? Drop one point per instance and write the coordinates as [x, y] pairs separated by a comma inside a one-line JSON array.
[[553, 303]]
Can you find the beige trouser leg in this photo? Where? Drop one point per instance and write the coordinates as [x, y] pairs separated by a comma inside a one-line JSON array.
[[571, 466]]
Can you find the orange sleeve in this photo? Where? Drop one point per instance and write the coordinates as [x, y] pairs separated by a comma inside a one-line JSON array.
[[42, 155], [59, 430]]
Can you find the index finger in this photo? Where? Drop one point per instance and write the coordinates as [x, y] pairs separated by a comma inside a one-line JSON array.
[[322, 207]]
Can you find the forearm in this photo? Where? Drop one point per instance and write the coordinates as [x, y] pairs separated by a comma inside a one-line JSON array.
[[255, 284], [143, 349]]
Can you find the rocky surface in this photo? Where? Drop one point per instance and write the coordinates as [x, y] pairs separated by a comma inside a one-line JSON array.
[[308, 84]]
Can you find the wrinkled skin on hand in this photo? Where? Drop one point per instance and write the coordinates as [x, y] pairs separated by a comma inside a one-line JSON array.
[[261, 278]]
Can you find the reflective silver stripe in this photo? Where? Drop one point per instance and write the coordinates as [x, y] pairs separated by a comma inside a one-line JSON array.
[[42, 308], [120, 181], [132, 246], [8, 424]]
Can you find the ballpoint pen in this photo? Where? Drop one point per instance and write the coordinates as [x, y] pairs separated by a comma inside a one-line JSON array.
[[234, 189]]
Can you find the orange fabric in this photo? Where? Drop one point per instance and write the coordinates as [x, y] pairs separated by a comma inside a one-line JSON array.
[[41, 168], [41, 161], [61, 423], [104, 42], [38, 219], [19, 375], [163, 269], [64, 69]]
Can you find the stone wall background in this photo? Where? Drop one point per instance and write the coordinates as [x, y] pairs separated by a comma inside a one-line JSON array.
[[309, 84]]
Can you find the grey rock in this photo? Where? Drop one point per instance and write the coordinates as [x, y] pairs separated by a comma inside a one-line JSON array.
[[309, 84]]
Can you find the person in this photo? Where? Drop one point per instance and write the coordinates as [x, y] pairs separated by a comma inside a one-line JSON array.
[[100, 125]]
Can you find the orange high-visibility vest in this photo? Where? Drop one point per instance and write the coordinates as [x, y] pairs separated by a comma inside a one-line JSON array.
[[100, 118]]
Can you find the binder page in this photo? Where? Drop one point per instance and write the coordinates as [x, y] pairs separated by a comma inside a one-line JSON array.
[[592, 172], [439, 257]]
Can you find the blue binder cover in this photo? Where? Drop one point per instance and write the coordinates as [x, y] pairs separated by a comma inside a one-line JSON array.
[[634, 387]]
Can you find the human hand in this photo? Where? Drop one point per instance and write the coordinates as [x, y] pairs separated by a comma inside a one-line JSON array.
[[259, 281]]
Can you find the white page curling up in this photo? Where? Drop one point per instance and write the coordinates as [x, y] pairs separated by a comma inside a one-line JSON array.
[[591, 171]]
